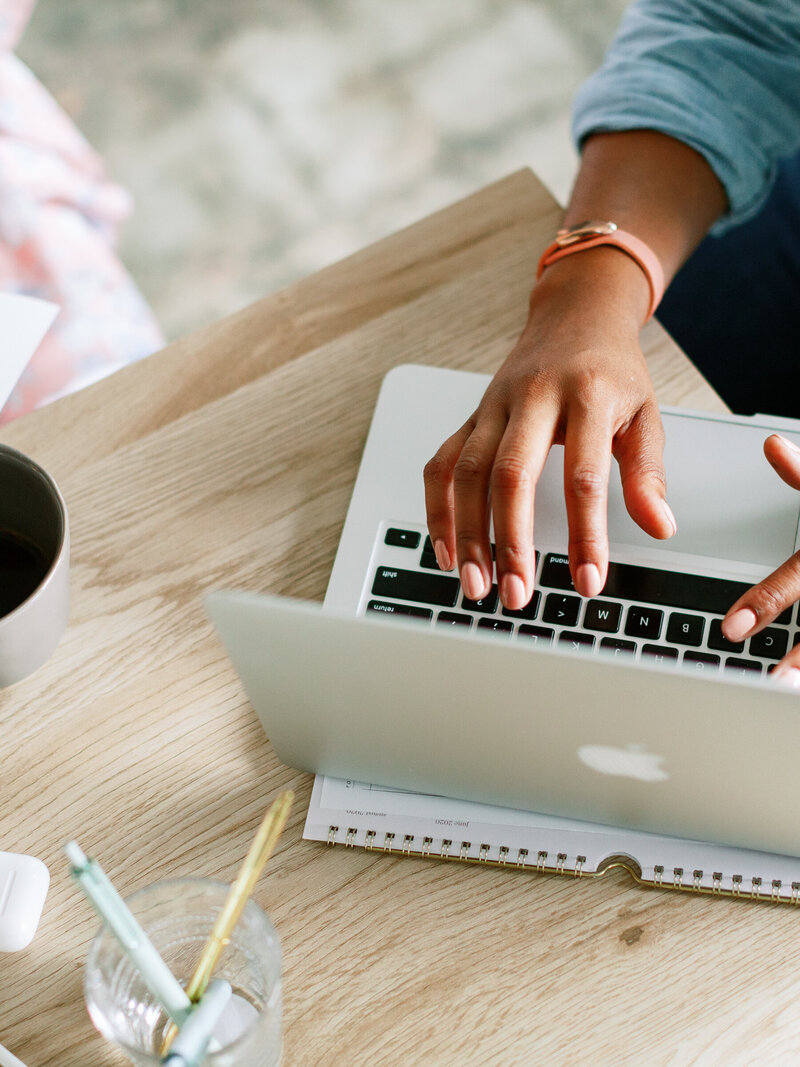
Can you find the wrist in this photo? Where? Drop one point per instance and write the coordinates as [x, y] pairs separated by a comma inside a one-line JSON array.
[[602, 284], [596, 233]]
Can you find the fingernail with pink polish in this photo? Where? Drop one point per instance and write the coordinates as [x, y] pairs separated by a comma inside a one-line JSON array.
[[512, 592], [739, 625], [668, 515], [472, 581], [442, 555], [589, 581], [787, 676]]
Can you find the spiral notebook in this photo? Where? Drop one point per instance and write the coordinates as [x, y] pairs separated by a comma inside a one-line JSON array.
[[651, 739], [362, 815]]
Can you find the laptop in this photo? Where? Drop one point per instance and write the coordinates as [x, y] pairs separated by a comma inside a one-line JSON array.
[[628, 709]]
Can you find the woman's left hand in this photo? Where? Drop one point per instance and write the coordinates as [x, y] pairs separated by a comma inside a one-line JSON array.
[[764, 602]]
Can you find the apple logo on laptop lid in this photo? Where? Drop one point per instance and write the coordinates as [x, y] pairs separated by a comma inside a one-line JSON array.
[[632, 761]]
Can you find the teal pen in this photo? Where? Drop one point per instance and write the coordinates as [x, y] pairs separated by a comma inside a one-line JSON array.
[[189, 1047], [115, 913]]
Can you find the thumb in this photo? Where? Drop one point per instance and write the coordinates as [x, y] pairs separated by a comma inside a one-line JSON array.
[[784, 457]]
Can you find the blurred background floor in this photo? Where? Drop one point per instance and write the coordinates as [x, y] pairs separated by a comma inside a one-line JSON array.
[[264, 140]]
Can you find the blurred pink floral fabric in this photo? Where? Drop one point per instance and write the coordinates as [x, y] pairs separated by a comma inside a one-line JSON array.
[[59, 218]]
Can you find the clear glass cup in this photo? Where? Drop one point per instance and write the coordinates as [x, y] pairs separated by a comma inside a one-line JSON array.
[[178, 917]]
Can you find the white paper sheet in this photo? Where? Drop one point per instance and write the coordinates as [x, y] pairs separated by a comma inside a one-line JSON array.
[[24, 320]]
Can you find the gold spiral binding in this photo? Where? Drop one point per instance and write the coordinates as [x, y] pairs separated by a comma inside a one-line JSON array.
[[627, 863], [774, 892]]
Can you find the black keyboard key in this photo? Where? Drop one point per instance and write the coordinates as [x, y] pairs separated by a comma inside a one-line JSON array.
[[540, 635], [770, 643], [615, 646], [575, 640], [603, 615], [428, 557], [555, 572], [562, 610], [487, 604], [651, 585], [662, 655], [685, 629], [496, 626], [452, 618], [530, 611], [401, 538], [644, 622], [742, 666], [693, 592], [665, 655], [718, 641], [411, 585], [701, 661], [378, 607]]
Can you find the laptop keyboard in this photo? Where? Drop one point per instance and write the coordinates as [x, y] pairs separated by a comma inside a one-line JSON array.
[[665, 617]]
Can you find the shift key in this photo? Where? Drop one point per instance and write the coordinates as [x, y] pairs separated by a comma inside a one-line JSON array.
[[427, 588]]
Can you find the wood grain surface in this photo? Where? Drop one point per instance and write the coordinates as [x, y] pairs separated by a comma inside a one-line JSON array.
[[227, 460]]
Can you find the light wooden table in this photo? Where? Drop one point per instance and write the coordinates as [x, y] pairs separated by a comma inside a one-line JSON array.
[[227, 460]]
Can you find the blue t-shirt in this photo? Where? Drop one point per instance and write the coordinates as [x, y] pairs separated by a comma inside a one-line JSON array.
[[723, 76]]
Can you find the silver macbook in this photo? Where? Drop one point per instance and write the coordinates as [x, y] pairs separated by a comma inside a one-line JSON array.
[[628, 709]]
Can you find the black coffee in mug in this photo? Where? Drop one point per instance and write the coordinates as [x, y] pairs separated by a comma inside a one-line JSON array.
[[22, 568]]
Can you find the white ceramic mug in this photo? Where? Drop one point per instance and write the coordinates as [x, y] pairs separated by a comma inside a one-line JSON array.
[[34, 566]]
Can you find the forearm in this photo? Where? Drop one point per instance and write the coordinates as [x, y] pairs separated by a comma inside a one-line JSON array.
[[652, 185]]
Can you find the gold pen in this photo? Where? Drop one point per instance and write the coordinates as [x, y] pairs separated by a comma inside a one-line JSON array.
[[260, 851]]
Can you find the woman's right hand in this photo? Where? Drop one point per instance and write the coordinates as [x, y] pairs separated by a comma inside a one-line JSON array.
[[576, 377]]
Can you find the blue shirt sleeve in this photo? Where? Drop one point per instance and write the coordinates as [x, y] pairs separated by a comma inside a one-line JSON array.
[[723, 76]]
